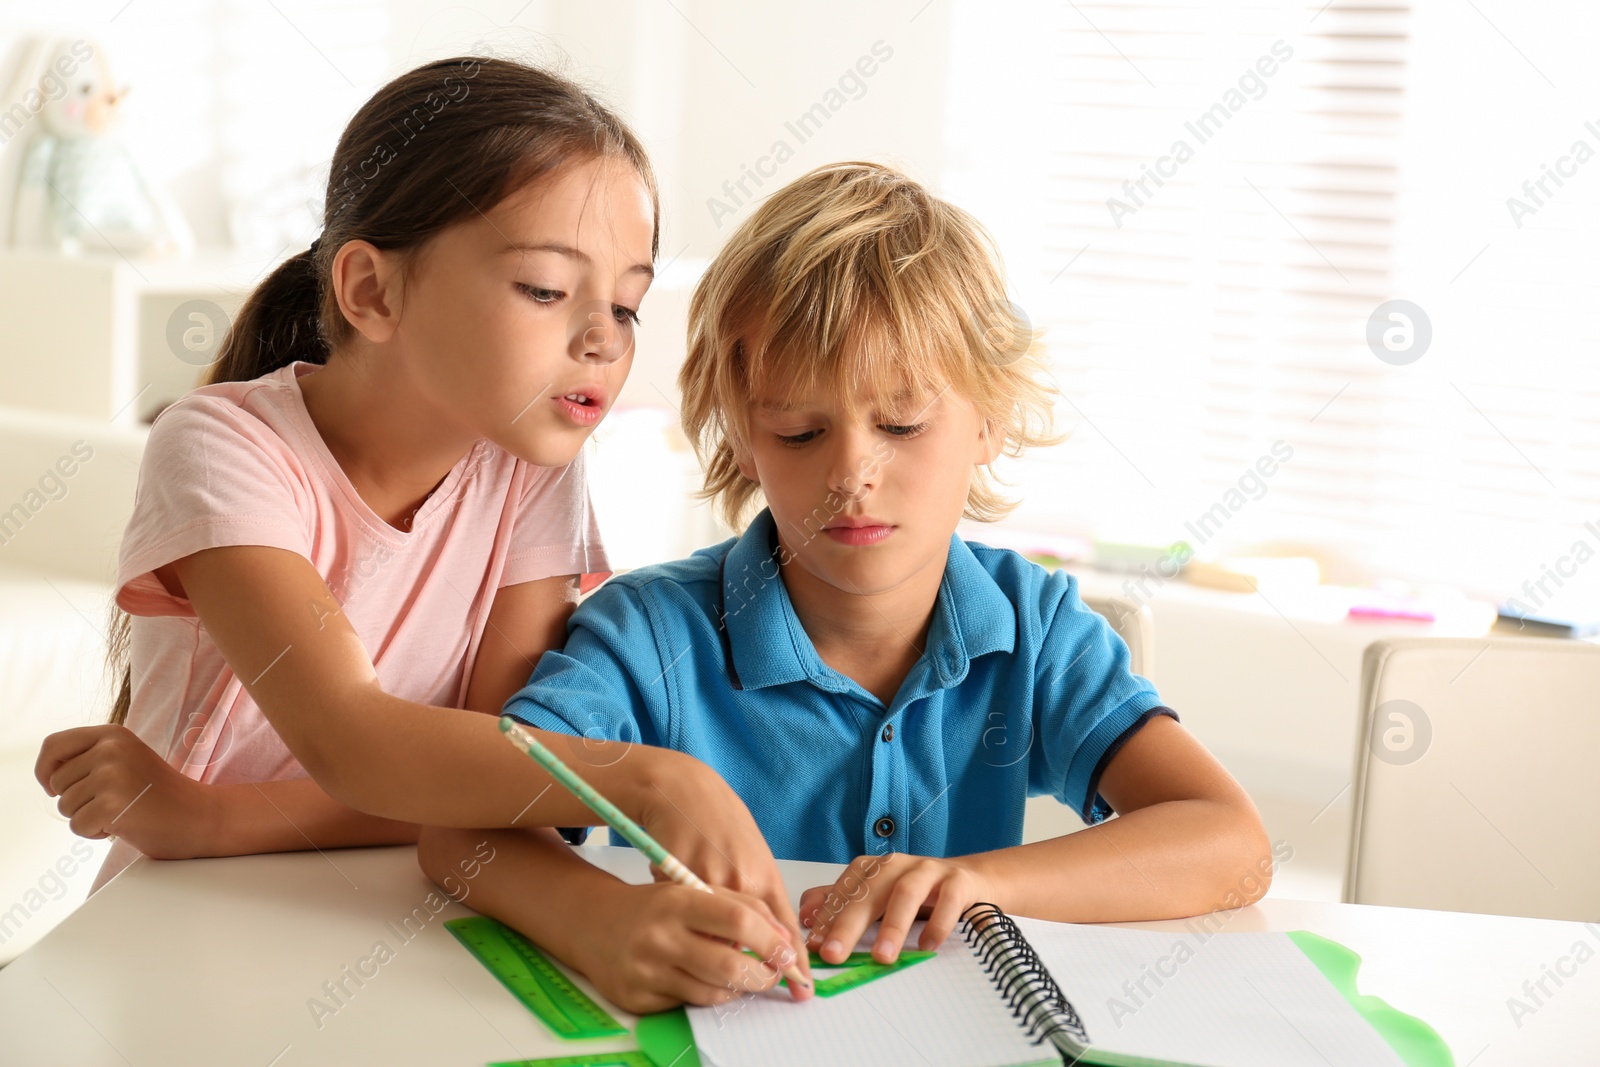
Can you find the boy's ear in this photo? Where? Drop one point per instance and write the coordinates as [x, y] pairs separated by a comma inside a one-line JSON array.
[[746, 465], [366, 281], [990, 441]]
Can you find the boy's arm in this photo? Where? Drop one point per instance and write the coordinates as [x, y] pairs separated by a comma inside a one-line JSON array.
[[1187, 840], [646, 947]]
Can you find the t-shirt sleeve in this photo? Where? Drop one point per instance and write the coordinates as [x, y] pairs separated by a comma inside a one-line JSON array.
[[1087, 702], [554, 532], [211, 476]]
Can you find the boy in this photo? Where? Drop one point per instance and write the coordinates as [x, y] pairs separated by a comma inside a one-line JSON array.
[[876, 690]]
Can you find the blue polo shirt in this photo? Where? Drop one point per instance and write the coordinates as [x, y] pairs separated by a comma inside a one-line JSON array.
[[1021, 691]]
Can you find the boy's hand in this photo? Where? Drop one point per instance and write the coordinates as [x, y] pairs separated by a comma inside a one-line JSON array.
[[666, 945], [897, 889], [112, 784], [697, 817]]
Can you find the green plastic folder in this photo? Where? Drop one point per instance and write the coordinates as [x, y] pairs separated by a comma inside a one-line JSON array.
[[1417, 1043]]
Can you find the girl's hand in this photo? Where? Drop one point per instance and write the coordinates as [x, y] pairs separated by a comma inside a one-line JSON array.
[[696, 816], [112, 784], [897, 889], [663, 945]]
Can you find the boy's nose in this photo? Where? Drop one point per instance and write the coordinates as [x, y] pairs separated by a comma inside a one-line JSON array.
[[851, 472]]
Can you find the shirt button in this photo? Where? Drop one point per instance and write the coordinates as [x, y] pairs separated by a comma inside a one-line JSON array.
[[888, 732], [884, 826]]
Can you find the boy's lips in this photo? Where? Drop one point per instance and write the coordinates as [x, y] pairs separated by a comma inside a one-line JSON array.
[[858, 530]]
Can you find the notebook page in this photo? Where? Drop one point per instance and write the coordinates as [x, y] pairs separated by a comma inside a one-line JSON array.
[[1241, 999], [943, 1012]]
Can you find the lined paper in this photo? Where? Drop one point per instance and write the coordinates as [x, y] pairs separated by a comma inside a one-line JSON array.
[[1242, 999], [940, 1013]]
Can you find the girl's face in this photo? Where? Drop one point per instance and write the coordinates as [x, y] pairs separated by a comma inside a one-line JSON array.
[[519, 322], [865, 496]]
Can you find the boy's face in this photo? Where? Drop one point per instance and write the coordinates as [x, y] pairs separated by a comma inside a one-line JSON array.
[[866, 494]]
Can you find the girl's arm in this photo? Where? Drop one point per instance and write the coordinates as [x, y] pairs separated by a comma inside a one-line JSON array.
[[112, 784], [246, 818], [1187, 839], [181, 819], [279, 627], [524, 621], [277, 624]]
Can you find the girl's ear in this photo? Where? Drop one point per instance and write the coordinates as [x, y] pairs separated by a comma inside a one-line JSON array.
[[366, 282]]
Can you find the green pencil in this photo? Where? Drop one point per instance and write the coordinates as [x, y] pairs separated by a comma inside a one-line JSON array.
[[631, 831]]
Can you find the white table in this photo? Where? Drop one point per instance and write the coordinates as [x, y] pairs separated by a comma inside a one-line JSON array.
[[216, 962]]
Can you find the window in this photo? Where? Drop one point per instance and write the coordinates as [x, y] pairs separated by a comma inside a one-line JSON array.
[[1204, 205]]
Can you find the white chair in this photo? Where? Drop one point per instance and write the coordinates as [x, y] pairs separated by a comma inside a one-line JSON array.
[[1046, 817], [1475, 777]]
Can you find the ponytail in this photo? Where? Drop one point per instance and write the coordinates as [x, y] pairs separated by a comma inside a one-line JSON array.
[[279, 323]]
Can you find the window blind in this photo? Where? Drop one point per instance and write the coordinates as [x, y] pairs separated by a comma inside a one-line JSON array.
[[1222, 196]]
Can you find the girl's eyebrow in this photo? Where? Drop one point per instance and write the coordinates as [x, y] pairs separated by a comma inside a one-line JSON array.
[[575, 253]]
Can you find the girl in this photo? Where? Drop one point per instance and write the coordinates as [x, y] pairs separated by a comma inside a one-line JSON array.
[[375, 515]]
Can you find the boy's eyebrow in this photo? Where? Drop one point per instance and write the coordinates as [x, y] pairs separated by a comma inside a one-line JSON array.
[[901, 396], [575, 253]]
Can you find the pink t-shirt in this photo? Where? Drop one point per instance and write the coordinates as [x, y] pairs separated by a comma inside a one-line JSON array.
[[242, 463]]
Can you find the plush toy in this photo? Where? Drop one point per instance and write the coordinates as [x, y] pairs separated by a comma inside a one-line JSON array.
[[80, 188]]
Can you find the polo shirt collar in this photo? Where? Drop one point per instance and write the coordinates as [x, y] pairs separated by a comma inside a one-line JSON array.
[[972, 616]]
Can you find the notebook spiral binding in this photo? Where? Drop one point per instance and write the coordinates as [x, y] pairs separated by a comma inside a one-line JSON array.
[[1026, 986]]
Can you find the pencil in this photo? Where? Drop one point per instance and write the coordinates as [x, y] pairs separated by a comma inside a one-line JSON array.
[[631, 831]]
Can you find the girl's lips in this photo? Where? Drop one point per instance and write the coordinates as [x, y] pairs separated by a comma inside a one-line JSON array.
[[858, 535], [582, 414]]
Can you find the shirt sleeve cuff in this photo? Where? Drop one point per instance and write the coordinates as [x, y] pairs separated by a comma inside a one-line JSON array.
[[1095, 808], [140, 592], [532, 713], [533, 564]]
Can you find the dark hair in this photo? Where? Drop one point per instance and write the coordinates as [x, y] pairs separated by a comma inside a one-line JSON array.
[[436, 145]]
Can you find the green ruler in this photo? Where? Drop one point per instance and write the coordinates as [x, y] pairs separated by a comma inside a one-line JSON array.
[[861, 968], [593, 1059], [538, 983], [856, 959]]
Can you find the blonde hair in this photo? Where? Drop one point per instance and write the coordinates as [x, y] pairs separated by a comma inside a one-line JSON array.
[[856, 279]]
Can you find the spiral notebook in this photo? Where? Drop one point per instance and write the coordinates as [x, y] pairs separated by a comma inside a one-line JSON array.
[[1009, 992]]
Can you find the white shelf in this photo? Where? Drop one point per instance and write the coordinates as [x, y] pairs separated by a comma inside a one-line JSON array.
[[89, 335]]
